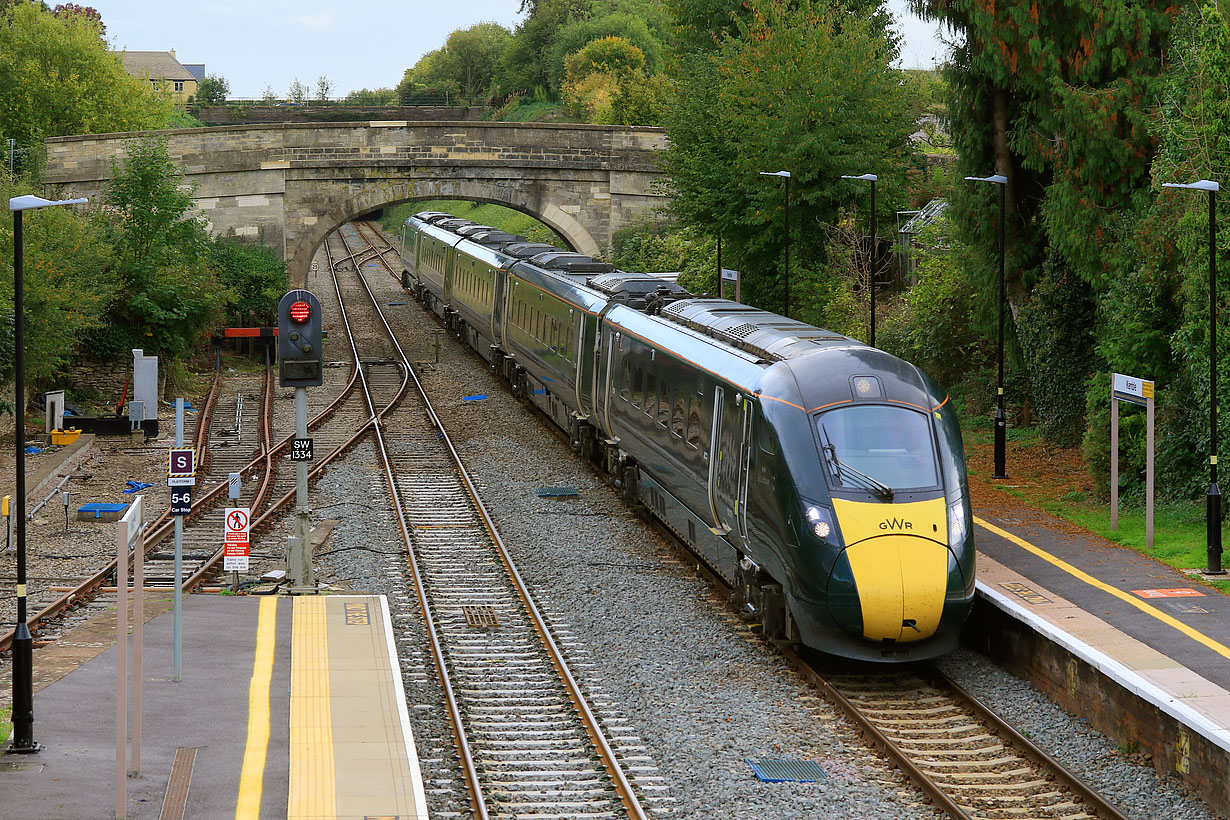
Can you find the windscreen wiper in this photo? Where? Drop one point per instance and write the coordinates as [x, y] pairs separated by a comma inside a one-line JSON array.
[[857, 478]]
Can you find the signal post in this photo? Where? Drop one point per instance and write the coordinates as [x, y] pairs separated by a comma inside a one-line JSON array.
[[300, 365]]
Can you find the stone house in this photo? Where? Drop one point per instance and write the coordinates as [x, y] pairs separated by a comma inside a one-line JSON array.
[[165, 73]]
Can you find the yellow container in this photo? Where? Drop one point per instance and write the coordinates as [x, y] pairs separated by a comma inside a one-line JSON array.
[[65, 436]]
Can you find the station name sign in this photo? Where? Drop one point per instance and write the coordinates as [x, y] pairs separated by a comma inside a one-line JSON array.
[[1132, 389]]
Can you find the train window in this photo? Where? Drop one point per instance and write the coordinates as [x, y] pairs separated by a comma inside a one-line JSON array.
[[884, 446], [625, 381], [677, 414], [764, 435], [638, 379], [664, 406], [694, 422]]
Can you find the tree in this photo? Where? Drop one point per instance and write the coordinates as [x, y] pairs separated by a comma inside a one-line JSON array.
[[323, 88], [578, 34], [298, 92], [268, 96], [466, 64], [378, 96], [594, 75], [58, 78], [170, 298], [213, 90], [88, 12], [69, 285], [801, 86], [254, 278]]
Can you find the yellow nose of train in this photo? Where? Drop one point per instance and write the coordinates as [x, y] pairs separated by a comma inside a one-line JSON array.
[[898, 555]]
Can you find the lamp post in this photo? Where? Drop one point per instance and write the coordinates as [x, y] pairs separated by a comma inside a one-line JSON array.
[[785, 175], [1213, 500], [872, 178], [23, 660], [1001, 420]]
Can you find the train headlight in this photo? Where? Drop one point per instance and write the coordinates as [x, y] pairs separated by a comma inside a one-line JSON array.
[[957, 524], [820, 521]]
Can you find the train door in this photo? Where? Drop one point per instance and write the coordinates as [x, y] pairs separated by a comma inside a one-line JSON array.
[[743, 468], [728, 457], [608, 380]]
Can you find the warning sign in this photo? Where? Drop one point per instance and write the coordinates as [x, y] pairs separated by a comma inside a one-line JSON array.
[[235, 540]]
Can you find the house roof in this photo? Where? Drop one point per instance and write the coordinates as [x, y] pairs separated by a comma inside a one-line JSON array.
[[157, 65]]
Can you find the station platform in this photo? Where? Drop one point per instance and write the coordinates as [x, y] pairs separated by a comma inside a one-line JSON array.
[[287, 707], [1141, 650]]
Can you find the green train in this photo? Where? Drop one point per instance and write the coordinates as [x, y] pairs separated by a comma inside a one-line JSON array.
[[823, 479]]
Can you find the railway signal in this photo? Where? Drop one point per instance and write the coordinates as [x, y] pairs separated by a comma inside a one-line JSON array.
[[300, 356]]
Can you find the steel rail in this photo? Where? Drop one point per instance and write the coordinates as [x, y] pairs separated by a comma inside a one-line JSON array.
[[592, 725], [1097, 802]]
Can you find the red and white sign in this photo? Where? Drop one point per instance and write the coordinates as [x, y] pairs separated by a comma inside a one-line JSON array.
[[235, 540], [1168, 593]]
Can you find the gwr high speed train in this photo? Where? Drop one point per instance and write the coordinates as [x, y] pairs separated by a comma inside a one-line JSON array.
[[824, 479]]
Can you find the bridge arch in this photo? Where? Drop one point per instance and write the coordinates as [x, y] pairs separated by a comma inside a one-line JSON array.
[[527, 199], [287, 185]]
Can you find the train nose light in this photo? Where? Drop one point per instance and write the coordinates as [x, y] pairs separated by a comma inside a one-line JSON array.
[[867, 387], [819, 521]]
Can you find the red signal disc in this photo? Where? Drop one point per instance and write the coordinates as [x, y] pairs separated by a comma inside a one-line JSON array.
[[300, 311]]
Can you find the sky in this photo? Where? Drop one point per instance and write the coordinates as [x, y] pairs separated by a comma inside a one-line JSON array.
[[256, 44]]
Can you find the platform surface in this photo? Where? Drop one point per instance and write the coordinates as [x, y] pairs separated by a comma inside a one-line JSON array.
[[294, 709], [1156, 630]]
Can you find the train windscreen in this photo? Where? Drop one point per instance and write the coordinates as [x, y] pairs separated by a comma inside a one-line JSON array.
[[878, 448]]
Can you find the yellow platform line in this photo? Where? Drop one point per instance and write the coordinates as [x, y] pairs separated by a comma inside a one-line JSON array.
[[1190, 632], [313, 788], [252, 775]]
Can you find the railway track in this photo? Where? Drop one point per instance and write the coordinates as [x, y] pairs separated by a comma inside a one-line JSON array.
[[968, 761], [528, 740]]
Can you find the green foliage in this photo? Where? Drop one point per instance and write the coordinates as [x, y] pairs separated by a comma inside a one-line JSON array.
[[640, 100], [58, 78], [595, 73], [212, 90], [68, 286], [254, 278], [466, 64], [650, 248], [378, 96], [524, 65], [800, 86], [581, 35], [932, 324], [1055, 328], [168, 299]]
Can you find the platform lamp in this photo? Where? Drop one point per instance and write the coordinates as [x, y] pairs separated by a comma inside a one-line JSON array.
[[1001, 419], [873, 179], [1213, 500], [23, 658], [785, 175]]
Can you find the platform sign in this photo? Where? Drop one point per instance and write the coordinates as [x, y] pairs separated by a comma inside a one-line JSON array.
[[181, 467], [301, 449], [181, 501], [1134, 391], [235, 539], [1185, 592]]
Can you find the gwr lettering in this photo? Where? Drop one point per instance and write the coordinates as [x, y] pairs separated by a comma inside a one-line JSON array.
[[896, 524]]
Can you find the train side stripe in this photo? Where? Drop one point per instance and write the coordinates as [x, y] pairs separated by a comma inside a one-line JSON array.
[[1195, 635]]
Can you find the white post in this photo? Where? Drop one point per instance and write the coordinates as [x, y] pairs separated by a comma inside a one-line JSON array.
[[1114, 461], [1149, 472], [121, 669]]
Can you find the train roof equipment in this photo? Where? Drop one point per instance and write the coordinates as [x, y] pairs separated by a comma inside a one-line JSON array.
[[637, 290], [432, 217], [493, 237], [767, 335], [524, 250], [568, 262]]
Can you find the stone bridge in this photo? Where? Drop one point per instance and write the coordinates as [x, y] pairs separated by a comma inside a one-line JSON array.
[[288, 185]]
